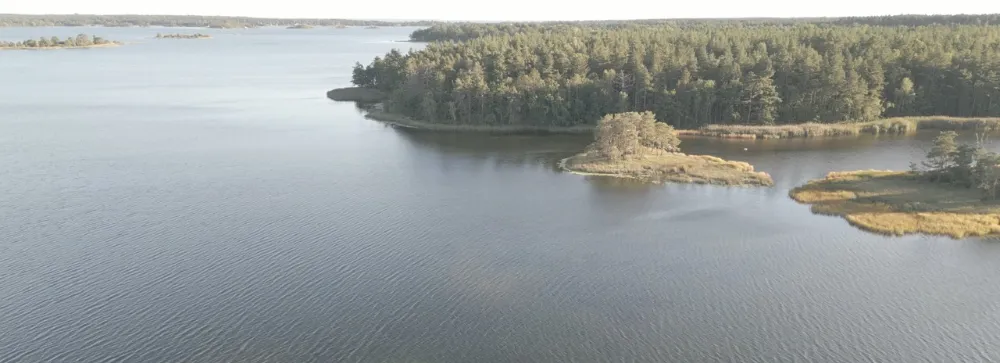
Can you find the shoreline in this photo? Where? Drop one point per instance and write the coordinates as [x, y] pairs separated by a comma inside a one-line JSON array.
[[375, 113], [563, 167], [889, 126]]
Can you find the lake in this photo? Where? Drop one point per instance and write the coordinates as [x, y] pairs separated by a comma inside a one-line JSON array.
[[202, 201]]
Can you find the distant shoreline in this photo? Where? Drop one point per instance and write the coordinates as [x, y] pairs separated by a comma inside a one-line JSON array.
[[189, 21], [108, 45]]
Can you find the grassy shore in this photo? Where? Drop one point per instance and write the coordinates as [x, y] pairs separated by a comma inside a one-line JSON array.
[[670, 167], [899, 203], [895, 126]]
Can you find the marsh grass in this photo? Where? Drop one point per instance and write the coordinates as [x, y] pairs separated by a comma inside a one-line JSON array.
[[892, 126], [900, 203], [660, 166]]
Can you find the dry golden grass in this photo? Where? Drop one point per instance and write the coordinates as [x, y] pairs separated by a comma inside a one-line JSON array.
[[671, 167], [899, 203], [898, 125]]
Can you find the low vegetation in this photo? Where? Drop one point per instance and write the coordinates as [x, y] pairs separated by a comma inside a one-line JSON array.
[[80, 41], [953, 193], [183, 36], [895, 126], [634, 145]]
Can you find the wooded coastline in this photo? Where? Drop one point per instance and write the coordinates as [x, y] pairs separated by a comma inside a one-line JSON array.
[[692, 74]]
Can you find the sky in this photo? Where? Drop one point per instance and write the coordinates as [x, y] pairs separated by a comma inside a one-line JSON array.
[[514, 10]]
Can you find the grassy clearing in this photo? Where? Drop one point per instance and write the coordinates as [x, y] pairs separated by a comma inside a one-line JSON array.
[[898, 203], [895, 126], [670, 167], [356, 94]]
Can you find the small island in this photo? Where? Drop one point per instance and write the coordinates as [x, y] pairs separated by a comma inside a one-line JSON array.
[[953, 193], [634, 145], [80, 41], [301, 26], [183, 36]]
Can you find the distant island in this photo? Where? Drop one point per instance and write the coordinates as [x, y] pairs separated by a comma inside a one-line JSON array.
[[633, 145], [192, 21], [301, 26], [183, 36], [739, 78], [953, 193], [80, 41]]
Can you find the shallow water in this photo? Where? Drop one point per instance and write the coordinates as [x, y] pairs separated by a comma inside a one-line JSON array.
[[201, 201]]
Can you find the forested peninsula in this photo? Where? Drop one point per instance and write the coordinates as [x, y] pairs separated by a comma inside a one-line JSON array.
[[80, 41], [747, 78], [22, 20]]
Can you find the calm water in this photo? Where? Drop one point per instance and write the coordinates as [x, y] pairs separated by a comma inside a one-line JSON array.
[[201, 201]]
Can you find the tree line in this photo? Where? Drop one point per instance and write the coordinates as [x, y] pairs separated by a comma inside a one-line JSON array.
[[81, 40], [11, 20], [697, 74], [467, 31]]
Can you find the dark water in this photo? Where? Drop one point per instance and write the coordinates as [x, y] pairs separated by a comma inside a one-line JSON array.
[[201, 201]]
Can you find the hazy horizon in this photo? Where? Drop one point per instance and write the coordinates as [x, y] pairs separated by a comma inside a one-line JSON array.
[[512, 10], [486, 20]]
